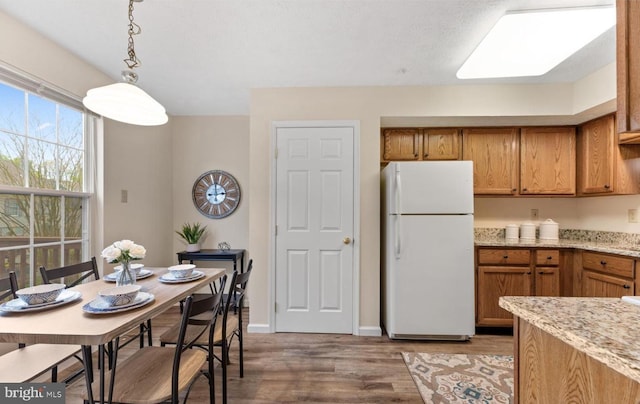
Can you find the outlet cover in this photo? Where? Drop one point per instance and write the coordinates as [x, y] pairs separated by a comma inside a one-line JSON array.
[[633, 215], [534, 214]]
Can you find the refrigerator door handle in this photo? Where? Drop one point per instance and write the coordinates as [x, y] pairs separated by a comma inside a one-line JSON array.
[[398, 193], [398, 241]]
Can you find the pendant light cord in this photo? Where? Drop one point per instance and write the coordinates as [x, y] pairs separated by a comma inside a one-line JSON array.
[[134, 29]]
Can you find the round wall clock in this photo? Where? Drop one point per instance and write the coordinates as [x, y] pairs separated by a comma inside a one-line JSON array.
[[216, 194]]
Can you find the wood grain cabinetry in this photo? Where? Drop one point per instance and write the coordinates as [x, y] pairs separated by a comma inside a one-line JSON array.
[[494, 152], [604, 167], [548, 370], [400, 144], [548, 160], [547, 273], [628, 70], [420, 144], [512, 272], [606, 275]]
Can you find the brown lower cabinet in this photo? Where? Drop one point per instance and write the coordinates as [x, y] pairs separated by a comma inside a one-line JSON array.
[[607, 275], [513, 272], [524, 271]]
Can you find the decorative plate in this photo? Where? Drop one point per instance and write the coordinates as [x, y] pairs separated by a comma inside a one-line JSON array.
[[99, 306], [169, 278], [144, 273], [18, 305]]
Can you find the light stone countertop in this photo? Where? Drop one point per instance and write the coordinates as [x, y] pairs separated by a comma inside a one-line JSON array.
[[606, 329], [604, 247]]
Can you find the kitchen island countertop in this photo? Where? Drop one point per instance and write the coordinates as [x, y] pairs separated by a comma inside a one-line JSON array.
[[605, 329]]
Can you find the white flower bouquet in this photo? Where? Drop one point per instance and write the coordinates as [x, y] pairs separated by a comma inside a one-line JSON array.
[[123, 251]]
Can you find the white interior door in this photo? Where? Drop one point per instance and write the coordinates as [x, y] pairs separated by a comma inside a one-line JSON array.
[[314, 262]]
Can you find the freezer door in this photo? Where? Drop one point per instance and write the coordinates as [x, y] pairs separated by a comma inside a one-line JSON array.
[[435, 187], [429, 278]]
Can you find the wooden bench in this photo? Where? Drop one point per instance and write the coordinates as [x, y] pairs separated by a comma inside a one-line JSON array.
[[25, 364]]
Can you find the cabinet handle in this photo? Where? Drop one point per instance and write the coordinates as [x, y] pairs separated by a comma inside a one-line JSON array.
[[607, 186], [626, 286], [549, 258], [529, 273], [541, 272], [426, 155], [514, 190], [524, 189], [415, 155], [506, 257], [603, 262]]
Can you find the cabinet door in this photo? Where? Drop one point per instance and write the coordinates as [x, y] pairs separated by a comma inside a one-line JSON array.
[[628, 66], [494, 153], [595, 284], [548, 161], [493, 282], [547, 281], [441, 144], [400, 144], [596, 157]]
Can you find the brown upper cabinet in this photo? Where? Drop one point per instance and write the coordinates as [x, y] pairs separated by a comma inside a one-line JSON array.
[[494, 152], [628, 70], [548, 160], [604, 167], [417, 144]]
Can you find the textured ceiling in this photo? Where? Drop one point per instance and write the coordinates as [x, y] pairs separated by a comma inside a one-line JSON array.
[[201, 57]]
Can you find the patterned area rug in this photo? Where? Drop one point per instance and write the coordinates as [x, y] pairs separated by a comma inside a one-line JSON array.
[[459, 378]]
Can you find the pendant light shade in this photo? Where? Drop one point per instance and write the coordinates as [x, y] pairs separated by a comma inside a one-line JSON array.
[[126, 102]]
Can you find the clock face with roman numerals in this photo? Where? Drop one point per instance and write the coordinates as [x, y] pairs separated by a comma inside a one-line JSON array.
[[216, 194]]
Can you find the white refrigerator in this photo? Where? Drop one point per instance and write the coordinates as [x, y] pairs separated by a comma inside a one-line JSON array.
[[427, 258]]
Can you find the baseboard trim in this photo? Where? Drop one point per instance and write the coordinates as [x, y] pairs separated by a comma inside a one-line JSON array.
[[370, 331], [259, 328]]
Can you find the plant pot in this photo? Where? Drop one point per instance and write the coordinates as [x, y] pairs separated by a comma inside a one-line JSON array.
[[193, 247]]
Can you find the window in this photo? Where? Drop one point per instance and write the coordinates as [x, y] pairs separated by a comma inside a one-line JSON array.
[[44, 186]]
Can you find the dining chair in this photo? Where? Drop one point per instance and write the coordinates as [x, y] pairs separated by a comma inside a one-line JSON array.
[[225, 330], [34, 359], [155, 374], [77, 273]]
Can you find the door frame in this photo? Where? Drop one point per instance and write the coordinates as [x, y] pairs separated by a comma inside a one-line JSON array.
[[355, 125]]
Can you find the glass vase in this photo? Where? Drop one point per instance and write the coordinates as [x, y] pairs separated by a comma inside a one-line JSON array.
[[127, 276]]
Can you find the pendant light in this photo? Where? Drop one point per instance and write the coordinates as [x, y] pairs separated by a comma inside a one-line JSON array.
[[126, 102]]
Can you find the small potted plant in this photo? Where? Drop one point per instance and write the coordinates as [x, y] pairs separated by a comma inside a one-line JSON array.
[[192, 234]]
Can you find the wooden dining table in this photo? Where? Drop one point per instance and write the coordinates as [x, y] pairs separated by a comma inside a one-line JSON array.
[[69, 324]]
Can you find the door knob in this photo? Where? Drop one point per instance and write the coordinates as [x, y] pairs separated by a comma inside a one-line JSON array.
[[346, 240]]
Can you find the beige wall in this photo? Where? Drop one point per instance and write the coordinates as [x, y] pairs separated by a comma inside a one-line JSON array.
[[447, 105], [200, 144], [138, 159], [158, 165]]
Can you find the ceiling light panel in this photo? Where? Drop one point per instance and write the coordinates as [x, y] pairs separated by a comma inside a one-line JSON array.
[[530, 43]]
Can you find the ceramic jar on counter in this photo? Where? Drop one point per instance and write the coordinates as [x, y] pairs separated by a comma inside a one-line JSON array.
[[549, 230]]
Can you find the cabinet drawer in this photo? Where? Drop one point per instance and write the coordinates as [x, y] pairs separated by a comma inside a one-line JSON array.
[[547, 257], [504, 257], [612, 264]]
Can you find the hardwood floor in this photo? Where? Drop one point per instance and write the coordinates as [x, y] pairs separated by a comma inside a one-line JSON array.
[[321, 368]]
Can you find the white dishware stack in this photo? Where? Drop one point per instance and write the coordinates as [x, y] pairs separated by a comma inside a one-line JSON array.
[[511, 233], [549, 230], [528, 232]]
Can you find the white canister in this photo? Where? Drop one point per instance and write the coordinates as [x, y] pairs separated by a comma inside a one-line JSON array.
[[528, 231], [549, 230], [512, 232]]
